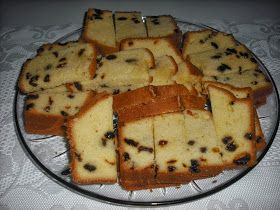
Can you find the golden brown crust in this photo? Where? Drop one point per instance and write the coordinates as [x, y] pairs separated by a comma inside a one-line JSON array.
[[135, 185], [71, 140], [260, 139], [47, 124]]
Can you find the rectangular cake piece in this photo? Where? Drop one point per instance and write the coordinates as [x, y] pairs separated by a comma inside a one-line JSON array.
[[136, 151], [129, 25], [69, 63], [99, 29], [216, 62], [46, 112], [124, 68], [158, 46], [164, 26], [92, 143], [204, 40], [235, 127]]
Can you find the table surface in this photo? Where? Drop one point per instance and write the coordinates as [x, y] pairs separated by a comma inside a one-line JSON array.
[[25, 26]]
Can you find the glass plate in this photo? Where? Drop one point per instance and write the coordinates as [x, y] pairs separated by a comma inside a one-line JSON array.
[[50, 155]]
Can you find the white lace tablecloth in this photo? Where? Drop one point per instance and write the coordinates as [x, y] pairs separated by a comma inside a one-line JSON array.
[[23, 186]]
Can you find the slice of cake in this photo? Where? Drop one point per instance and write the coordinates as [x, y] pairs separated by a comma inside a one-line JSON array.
[[158, 46], [92, 143], [46, 112], [72, 63], [165, 68], [254, 79], [136, 151], [164, 26], [124, 68], [200, 41], [235, 127], [216, 62], [129, 25], [99, 29]]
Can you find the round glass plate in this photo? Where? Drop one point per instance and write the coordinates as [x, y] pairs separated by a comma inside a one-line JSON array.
[[50, 155]]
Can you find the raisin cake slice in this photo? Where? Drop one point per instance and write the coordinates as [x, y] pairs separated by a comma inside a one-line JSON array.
[[124, 68], [216, 62], [164, 70], [92, 143], [235, 127], [129, 25], [136, 152], [99, 29], [200, 41], [158, 46], [46, 112], [164, 26], [253, 78], [70, 63]]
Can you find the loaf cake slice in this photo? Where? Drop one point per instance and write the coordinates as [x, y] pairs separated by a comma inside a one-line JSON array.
[[235, 127], [124, 68], [164, 70], [70, 63], [254, 79], [92, 143], [136, 151], [216, 62], [129, 25], [164, 26], [204, 40], [99, 29], [158, 46], [46, 112]]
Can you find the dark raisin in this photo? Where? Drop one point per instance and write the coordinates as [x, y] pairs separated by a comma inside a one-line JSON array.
[[33, 80], [40, 50], [203, 149], [156, 22], [244, 55], [131, 60], [176, 30], [95, 76], [126, 156], [109, 135], [243, 161], [78, 157], [171, 161], [55, 54], [100, 64], [256, 74], [104, 141], [162, 142], [213, 44], [61, 65], [191, 142], [231, 50], [98, 11], [66, 172], [32, 96], [48, 67], [130, 43], [97, 17], [216, 56], [122, 18], [47, 78], [116, 91], [70, 96], [111, 57], [237, 56], [102, 76], [147, 149], [259, 139], [131, 142], [63, 113], [201, 41], [227, 139], [29, 106], [47, 108], [240, 70], [253, 60], [223, 67], [103, 85], [81, 51], [98, 59], [171, 168], [231, 103], [136, 21], [249, 136], [78, 86], [215, 78], [27, 75], [50, 100], [257, 70], [254, 83], [89, 167], [194, 166], [231, 147], [62, 59]]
